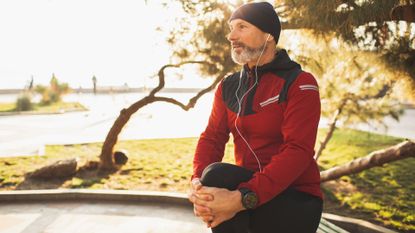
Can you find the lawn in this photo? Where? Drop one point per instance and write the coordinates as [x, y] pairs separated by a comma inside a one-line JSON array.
[[381, 195], [40, 108]]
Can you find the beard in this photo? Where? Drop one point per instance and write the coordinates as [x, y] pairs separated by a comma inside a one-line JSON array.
[[247, 54]]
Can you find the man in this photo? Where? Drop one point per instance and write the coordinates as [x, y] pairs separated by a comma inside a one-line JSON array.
[[272, 109]]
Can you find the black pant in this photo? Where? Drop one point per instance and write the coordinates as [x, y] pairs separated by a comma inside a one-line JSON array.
[[290, 211]]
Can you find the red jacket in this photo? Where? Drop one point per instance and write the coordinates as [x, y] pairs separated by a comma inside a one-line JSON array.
[[282, 134]]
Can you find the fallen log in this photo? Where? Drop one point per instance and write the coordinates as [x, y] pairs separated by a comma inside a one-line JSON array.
[[400, 151]]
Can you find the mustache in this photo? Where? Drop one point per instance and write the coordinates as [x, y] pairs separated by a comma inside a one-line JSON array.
[[237, 44]]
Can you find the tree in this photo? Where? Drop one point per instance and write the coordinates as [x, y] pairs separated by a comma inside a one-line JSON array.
[[355, 86], [106, 156], [206, 27], [368, 24], [204, 47], [199, 38], [54, 92]]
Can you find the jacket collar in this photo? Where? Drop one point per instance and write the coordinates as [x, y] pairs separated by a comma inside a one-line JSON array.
[[281, 62]]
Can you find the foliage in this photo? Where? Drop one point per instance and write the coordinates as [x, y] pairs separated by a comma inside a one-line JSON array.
[[368, 89], [53, 93], [201, 35], [366, 24], [358, 76], [24, 103]]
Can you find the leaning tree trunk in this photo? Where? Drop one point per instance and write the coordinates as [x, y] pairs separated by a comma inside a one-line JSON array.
[[400, 151], [106, 156], [332, 127]]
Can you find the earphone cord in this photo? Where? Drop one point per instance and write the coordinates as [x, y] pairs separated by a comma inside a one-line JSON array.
[[240, 103]]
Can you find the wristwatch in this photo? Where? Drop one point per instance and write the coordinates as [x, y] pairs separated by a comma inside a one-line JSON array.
[[249, 198]]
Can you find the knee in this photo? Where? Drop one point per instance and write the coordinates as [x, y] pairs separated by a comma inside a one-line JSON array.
[[214, 174]]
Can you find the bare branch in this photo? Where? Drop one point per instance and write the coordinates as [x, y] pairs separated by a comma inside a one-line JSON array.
[[170, 100], [193, 100], [162, 76]]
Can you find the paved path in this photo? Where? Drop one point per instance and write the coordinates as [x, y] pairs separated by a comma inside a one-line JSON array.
[[27, 134], [96, 211], [97, 217]]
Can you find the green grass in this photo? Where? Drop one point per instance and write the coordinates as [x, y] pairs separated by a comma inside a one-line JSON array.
[[381, 195], [39, 108], [7, 107], [384, 194]]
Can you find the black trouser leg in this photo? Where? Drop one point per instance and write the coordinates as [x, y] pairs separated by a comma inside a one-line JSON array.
[[290, 211], [224, 175]]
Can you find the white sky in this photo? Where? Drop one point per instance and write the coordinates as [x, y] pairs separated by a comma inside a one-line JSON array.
[[116, 41]]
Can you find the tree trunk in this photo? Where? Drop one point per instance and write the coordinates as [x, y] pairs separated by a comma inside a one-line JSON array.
[[377, 158], [329, 134], [106, 158], [332, 127]]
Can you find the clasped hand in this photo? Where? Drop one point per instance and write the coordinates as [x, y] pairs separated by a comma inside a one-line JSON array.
[[214, 205]]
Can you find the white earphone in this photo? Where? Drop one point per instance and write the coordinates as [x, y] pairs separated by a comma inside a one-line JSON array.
[[240, 101], [269, 35]]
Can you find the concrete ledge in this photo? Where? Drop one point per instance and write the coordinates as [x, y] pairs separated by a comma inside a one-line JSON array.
[[94, 195], [180, 199], [355, 225]]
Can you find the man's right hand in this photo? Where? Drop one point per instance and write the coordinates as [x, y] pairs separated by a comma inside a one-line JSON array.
[[199, 209]]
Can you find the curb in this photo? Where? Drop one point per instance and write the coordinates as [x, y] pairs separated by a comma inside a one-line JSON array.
[[347, 223], [94, 195]]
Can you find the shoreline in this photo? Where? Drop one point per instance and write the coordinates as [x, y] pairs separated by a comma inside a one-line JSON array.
[[115, 89]]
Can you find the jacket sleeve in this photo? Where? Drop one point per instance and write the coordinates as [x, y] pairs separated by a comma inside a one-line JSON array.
[[212, 141], [299, 130]]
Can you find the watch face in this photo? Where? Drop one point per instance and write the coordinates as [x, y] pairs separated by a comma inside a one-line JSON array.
[[250, 200]]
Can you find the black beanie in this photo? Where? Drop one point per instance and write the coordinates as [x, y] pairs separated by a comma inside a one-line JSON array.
[[262, 15]]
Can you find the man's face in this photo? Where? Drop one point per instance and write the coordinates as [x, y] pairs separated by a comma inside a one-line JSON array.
[[247, 41]]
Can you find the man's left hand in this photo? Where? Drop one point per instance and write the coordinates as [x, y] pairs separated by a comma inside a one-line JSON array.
[[224, 205]]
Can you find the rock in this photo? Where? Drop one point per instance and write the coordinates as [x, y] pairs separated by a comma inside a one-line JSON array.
[[120, 157], [58, 169]]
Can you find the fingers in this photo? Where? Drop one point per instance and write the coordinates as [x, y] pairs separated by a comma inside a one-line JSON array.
[[207, 219], [196, 184], [203, 214], [204, 196], [202, 210], [193, 198], [206, 215]]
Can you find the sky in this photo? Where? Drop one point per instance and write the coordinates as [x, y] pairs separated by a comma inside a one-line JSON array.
[[116, 41]]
